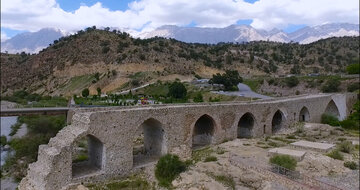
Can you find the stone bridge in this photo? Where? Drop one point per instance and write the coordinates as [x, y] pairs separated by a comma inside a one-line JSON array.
[[122, 139]]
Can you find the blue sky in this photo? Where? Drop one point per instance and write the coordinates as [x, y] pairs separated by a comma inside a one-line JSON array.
[[72, 5], [146, 15]]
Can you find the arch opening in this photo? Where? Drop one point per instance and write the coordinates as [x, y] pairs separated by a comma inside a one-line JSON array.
[[149, 143], [277, 121], [203, 131], [304, 115], [332, 109], [87, 156], [245, 126]]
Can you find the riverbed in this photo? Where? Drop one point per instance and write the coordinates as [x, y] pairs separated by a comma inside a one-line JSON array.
[[6, 123]]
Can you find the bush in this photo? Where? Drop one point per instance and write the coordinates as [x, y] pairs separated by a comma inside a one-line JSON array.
[[285, 161], [331, 85], [291, 81], [168, 168], [346, 147], [353, 87], [351, 165], [210, 159], [353, 68], [335, 154], [3, 140], [330, 120], [198, 97]]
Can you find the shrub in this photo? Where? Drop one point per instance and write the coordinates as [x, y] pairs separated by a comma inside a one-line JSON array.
[[329, 119], [285, 161], [331, 85], [291, 81], [353, 68], [198, 97], [346, 147], [353, 87], [335, 154], [3, 140], [168, 168], [210, 159], [351, 165]]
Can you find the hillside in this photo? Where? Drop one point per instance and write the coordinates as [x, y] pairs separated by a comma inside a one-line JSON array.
[[113, 60]]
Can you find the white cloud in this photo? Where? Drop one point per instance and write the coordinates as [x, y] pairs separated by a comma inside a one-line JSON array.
[[4, 37], [149, 14]]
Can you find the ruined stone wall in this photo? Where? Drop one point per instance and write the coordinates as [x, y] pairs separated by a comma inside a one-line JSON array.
[[116, 128]]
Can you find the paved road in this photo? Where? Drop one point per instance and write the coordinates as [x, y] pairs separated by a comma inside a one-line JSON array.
[[245, 91]]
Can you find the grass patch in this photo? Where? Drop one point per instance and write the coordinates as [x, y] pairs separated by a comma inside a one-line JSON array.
[[15, 128], [282, 140], [168, 168], [284, 161], [291, 137], [81, 158], [351, 165], [273, 144], [254, 84], [78, 82], [346, 147], [201, 154], [210, 159], [335, 154], [225, 180], [128, 184]]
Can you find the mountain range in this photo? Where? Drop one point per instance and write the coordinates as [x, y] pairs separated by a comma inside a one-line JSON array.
[[33, 42]]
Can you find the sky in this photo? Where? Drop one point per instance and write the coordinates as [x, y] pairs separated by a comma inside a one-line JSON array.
[[19, 16]]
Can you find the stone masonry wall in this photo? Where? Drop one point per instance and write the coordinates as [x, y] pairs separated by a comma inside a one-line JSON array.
[[116, 128]]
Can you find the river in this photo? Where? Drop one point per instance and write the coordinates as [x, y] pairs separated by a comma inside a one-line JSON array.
[[245, 91], [6, 123]]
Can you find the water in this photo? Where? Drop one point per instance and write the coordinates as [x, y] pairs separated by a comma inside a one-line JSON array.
[[244, 90], [6, 123]]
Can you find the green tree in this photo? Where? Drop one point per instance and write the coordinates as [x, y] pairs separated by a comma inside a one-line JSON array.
[[85, 93], [177, 90], [229, 79]]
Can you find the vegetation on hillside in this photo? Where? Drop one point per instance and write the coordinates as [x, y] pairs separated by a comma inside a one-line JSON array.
[[168, 56]]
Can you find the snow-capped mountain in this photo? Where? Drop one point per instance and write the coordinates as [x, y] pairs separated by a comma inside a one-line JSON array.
[[31, 42], [245, 33]]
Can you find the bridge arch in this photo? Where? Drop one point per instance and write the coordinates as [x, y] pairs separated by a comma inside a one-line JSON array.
[[246, 125], [332, 109], [149, 143], [203, 131], [88, 156], [304, 115], [277, 121]]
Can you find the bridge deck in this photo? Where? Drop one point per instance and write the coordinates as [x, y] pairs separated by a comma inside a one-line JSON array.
[[34, 111]]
